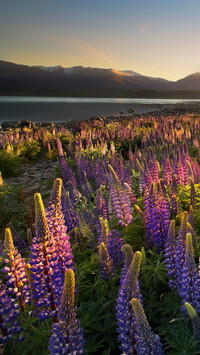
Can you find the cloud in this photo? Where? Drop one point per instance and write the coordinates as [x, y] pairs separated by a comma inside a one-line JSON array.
[[93, 51], [79, 47]]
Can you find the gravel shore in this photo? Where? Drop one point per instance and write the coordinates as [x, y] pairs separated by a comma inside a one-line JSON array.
[[134, 111]]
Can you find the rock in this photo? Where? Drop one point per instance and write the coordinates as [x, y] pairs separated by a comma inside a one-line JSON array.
[[17, 124], [9, 124], [28, 124], [131, 110], [47, 124]]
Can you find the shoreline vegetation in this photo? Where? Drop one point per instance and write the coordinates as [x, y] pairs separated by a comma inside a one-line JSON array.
[[100, 234]]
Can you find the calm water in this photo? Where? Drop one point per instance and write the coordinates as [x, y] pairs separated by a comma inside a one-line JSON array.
[[57, 109]]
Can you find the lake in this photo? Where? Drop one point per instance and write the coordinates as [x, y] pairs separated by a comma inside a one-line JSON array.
[[57, 109]]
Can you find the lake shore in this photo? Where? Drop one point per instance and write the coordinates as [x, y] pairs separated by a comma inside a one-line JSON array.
[[54, 110], [136, 110]]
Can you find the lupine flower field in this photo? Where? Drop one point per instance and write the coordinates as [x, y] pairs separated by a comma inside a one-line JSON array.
[[108, 262]]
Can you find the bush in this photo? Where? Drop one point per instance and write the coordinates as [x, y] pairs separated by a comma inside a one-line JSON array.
[[9, 164], [12, 207], [30, 150]]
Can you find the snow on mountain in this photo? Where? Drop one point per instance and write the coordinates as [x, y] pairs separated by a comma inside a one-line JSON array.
[[129, 72]]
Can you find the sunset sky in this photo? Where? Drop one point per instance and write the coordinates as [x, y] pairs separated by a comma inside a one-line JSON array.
[[152, 37]]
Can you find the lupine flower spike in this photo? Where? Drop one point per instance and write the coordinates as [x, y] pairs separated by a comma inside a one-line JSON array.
[[146, 341], [128, 251], [45, 269], [57, 228], [67, 336], [169, 252], [114, 246], [195, 322], [17, 279], [179, 255], [106, 265], [125, 317], [120, 200], [9, 310], [104, 230], [189, 278]]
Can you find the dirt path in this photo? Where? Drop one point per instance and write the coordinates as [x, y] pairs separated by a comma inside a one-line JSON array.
[[34, 177]]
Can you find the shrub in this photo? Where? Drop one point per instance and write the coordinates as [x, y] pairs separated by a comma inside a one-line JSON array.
[[30, 150], [9, 164]]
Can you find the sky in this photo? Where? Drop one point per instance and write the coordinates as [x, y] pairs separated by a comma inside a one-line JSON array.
[[152, 37]]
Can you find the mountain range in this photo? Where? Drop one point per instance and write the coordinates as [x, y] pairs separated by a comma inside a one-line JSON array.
[[14, 77]]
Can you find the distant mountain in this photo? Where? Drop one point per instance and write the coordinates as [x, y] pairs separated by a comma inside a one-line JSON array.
[[81, 77], [191, 82], [23, 77]]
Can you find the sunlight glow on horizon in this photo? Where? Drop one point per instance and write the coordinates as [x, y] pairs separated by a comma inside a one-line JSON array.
[[150, 38]]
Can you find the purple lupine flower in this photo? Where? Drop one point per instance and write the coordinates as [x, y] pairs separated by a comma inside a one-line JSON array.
[[130, 155], [117, 163], [104, 231], [106, 265], [130, 193], [17, 280], [66, 171], [191, 230], [186, 163], [189, 280], [85, 185], [137, 155], [88, 217], [167, 171], [145, 177], [57, 228], [146, 341], [196, 172], [67, 335], [46, 273], [173, 197], [84, 164], [85, 229], [179, 254], [120, 200], [190, 171], [164, 212], [101, 203], [169, 252], [75, 195], [9, 310], [142, 176], [195, 322], [70, 215], [173, 202], [125, 317], [157, 216], [114, 246], [181, 168], [100, 173], [128, 251], [153, 167], [148, 206], [19, 243], [127, 176], [178, 168]]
